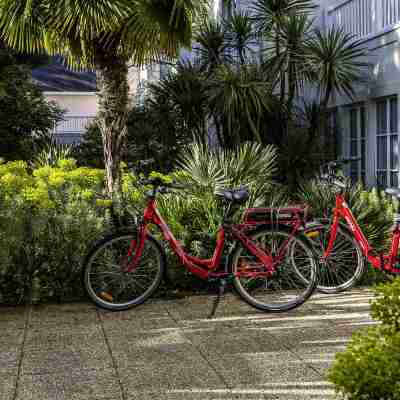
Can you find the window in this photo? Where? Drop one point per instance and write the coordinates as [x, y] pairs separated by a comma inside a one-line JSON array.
[[358, 142], [365, 17], [387, 171]]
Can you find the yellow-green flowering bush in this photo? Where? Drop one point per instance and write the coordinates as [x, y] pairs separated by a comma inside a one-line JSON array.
[[369, 368], [48, 219]]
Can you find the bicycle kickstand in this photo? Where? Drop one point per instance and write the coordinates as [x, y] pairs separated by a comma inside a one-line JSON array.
[[221, 290]]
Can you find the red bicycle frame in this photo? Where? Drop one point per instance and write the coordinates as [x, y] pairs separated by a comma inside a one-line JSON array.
[[206, 268], [381, 261]]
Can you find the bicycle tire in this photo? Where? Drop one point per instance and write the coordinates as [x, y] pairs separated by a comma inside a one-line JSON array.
[[289, 299], [346, 253], [105, 297]]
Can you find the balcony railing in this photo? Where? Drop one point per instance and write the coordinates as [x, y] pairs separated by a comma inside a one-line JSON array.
[[363, 18], [70, 130]]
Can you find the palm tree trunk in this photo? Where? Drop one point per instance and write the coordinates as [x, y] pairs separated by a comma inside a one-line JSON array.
[[324, 124], [113, 94]]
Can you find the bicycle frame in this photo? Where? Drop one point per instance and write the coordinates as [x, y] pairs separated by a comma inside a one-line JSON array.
[[381, 261], [203, 268]]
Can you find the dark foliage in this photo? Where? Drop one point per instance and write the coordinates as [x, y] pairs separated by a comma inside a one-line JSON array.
[[25, 116]]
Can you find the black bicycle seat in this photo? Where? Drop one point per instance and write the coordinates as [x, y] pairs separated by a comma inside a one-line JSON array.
[[237, 196]]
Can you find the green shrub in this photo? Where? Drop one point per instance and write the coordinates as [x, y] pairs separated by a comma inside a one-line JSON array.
[[25, 115], [386, 307], [369, 368], [48, 218]]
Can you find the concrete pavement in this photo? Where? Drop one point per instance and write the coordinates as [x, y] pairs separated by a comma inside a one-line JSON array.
[[169, 350]]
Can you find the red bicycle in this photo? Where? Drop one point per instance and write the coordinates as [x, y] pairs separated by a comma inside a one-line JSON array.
[[125, 268], [341, 244]]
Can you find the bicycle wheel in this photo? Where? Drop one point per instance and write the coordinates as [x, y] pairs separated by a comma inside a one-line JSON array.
[[284, 290], [344, 266], [105, 280]]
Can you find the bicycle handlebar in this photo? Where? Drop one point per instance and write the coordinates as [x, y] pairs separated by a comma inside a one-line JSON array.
[[328, 171], [343, 161]]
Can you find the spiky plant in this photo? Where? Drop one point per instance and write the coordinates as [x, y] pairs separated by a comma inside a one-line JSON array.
[[211, 170], [240, 35], [184, 92], [211, 45], [51, 154], [336, 61], [237, 99]]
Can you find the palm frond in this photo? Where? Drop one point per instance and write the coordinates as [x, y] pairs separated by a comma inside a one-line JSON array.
[[336, 61], [240, 34]]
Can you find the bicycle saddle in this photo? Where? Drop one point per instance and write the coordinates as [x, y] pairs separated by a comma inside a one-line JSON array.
[[238, 196], [395, 192]]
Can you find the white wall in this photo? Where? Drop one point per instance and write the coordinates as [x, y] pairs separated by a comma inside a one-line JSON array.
[[80, 109], [75, 104]]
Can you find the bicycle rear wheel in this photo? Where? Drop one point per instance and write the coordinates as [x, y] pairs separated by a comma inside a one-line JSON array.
[[106, 280], [284, 290]]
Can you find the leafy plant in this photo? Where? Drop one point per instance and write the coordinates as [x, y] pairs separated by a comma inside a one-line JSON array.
[[368, 368], [386, 306], [335, 61], [49, 219], [51, 153], [26, 118]]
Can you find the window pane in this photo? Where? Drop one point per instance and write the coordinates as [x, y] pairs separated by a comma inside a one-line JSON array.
[[363, 154], [393, 115], [353, 148], [382, 117], [363, 123], [382, 152], [394, 152], [394, 179], [382, 179], [353, 124]]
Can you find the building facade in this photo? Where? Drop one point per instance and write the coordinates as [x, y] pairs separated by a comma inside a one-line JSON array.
[[369, 123], [75, 93]]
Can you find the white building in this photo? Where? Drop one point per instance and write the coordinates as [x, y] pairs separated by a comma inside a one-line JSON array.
[[369, 124], [75, 92]]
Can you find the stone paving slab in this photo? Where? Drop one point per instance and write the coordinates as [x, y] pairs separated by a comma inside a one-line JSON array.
[[7, 385], [170, 350], [76, 385]]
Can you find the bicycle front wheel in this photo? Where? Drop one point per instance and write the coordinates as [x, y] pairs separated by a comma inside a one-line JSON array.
[[105, 275], [344, 266], [284, 289]]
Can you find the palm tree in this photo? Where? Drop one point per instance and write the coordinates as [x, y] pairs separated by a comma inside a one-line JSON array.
[[102, 35], [211, 45], [282, 25], [335, 62], [240, 34], [184, 93], [238, 98]]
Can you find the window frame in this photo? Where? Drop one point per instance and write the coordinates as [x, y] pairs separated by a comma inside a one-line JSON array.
[[387, 139], [358, 141]]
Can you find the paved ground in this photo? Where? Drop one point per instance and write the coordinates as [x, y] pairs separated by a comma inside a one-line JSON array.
[[169, 350]]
